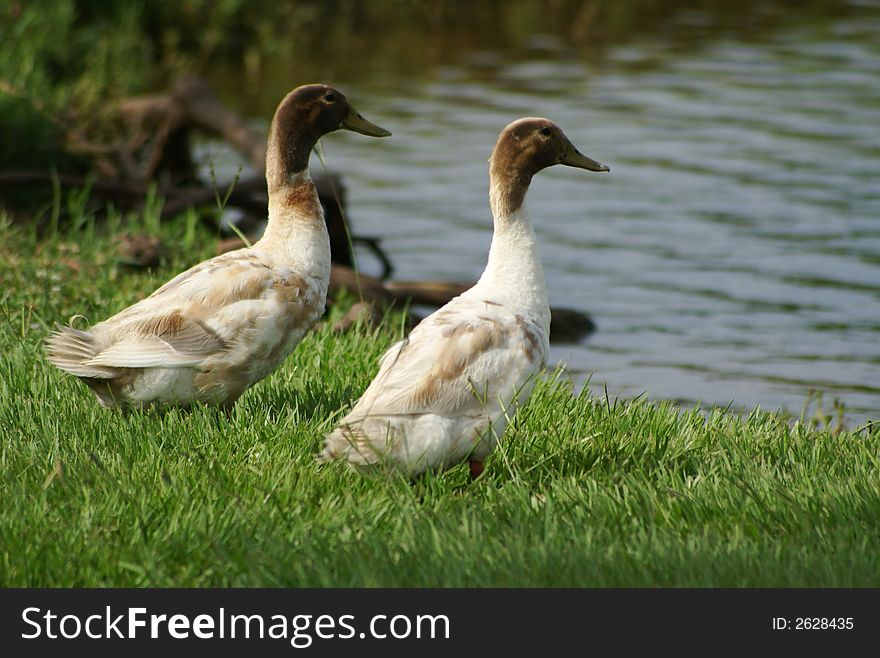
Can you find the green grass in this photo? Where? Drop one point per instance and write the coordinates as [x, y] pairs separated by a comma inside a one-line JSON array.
[[584, 492]]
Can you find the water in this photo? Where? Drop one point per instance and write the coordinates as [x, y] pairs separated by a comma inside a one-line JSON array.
[[733, 253]]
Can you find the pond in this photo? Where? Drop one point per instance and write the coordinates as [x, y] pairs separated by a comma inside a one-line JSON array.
[[732, 255]]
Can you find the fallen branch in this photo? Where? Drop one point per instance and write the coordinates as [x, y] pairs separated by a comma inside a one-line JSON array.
[[110, 189], [204, 110], [568, 325]]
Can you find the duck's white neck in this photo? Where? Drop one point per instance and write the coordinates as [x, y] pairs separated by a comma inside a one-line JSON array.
[[296, 232], [514, 273]]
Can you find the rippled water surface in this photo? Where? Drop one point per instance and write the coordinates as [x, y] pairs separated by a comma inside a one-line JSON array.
[[732, 255]]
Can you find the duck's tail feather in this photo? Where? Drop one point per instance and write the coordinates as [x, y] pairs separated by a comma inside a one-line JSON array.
[[71, 350]]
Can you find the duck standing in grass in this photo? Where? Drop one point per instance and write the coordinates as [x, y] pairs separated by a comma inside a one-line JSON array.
[[223, 325], [445, 393]]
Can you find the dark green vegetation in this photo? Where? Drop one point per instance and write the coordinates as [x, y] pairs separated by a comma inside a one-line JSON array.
[[70, 59], [585, 491]]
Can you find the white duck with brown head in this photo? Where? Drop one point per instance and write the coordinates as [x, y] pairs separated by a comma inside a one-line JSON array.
[[223, 325], [445, 393]]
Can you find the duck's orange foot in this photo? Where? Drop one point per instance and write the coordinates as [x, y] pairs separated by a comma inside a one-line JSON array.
[[476, 468]]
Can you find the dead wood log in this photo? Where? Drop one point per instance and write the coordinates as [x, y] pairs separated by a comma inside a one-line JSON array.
[[191, 102], [125, 192], [568, 325], [364, 287], [431, 293], [243, 195]]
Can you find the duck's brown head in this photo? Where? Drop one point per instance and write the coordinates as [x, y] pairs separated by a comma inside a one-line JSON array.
[[527, 146], [304, 116]]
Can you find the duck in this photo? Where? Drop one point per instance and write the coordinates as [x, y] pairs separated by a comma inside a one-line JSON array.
[[446, 393], [216, 329]]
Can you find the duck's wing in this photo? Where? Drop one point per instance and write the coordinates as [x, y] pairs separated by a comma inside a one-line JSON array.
[[219, 281], [196, 315], [454, 363], [160, 339]]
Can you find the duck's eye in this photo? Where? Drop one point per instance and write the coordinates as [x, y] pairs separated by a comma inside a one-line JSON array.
[[545, 132], [330, 97]]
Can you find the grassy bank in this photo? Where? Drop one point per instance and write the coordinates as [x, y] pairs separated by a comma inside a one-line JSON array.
[[586, 491]]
